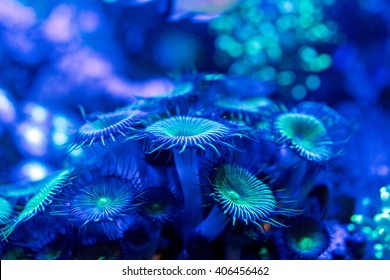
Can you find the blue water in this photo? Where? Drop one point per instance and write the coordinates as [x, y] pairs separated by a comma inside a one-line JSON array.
[[194, 130]]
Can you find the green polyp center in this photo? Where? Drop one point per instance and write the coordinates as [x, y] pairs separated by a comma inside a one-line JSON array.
[[156, 207], [184, 131], [304, 142], [187, 130], [307, 244], [263, 252], [304, 130], [187, 127], [233, 196], [103, 202]]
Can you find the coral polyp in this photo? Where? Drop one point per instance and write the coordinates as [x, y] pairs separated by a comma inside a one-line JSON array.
[[186, 132], [194, 129], [157, 204], [113, 126], [304, 134], [98, 199], [243, 197], [306, 238], [185, 136], [43, 198]]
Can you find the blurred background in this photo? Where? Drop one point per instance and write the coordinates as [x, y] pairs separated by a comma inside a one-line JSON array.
[[58, 55]]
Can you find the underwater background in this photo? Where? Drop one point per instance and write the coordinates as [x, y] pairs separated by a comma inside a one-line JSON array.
[[219, 129]]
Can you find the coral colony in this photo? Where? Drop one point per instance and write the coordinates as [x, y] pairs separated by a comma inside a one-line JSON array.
[[253, 129]]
